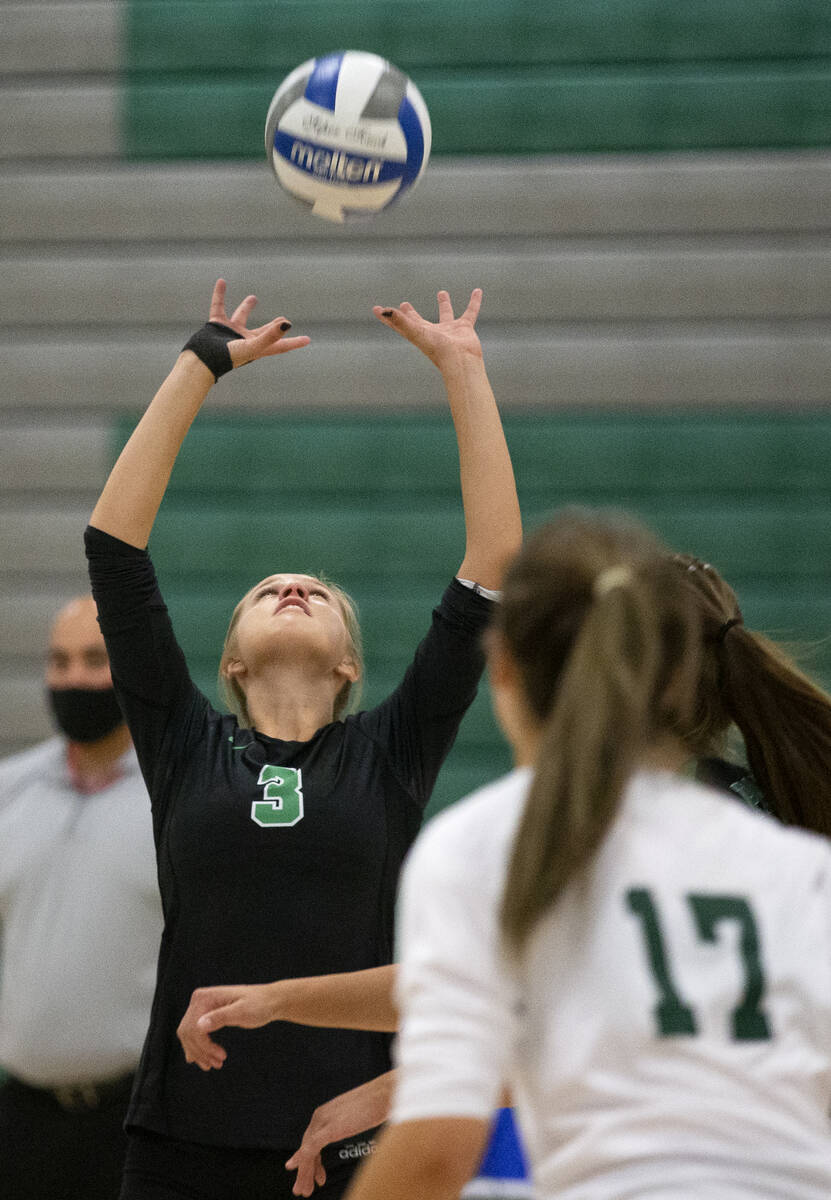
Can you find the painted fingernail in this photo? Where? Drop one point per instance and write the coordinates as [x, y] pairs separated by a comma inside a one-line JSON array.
[[285, 325]]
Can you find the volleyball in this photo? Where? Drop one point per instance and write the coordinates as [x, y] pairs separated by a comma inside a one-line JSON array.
[[347, 134]]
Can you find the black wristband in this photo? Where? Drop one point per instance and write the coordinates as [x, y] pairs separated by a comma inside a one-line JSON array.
[[210, 345]]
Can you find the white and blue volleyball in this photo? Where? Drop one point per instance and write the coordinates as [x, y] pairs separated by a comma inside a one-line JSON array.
[[347, 134]]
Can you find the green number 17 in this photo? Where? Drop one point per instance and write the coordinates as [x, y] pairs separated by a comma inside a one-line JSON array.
[[749, 1022]]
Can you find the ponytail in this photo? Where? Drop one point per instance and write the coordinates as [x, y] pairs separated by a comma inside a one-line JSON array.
[[627, 676], [783, 716], [785, 720]]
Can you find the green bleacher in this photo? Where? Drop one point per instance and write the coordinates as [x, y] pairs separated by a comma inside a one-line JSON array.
[[372, 501], [499, 76], [243, 35]]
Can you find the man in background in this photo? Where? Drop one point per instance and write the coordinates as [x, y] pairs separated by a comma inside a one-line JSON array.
[[80, 922]]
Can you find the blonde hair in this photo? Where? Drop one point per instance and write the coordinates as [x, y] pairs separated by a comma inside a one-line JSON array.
[[606, 636], [349, 696]]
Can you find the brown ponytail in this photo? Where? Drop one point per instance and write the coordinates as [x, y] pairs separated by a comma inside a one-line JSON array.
[[783, 716], [606, 635]]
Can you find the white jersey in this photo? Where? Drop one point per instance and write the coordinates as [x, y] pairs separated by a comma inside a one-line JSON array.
[[666, 1034]]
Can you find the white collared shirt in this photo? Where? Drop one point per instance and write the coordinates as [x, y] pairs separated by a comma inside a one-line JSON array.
[[80, 920]]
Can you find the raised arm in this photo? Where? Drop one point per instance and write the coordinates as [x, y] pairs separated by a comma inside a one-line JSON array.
[[131, 497], [492, 520]]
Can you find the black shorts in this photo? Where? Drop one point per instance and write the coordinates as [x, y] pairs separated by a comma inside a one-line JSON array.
[[162, 1168]]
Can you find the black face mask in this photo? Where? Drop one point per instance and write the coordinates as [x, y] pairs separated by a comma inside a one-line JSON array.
[[84, 714]]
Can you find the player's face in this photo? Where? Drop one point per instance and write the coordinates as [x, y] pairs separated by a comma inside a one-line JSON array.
[[77, 656], [290, 616]]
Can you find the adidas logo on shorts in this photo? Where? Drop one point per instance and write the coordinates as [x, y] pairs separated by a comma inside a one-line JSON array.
[[356, 1150]]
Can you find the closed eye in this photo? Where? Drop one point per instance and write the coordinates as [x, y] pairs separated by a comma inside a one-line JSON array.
[[271, 589]]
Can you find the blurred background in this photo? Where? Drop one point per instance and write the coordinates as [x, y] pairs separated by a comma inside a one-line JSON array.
[[641, 188]]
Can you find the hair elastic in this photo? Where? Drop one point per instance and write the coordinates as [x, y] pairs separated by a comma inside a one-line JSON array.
[[726, 627], [610, 578]]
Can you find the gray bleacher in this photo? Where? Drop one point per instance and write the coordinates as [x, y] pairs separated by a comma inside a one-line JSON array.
[[677, 280]]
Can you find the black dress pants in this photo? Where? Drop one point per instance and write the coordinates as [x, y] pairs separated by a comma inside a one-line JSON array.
[[67, 1149]]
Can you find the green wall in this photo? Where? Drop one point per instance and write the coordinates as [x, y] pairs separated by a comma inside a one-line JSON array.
[[372, 501], [499, 76]]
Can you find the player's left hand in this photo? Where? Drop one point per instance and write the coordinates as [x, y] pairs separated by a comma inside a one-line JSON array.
[[443, 340], [365, 1107], [311, 1172]]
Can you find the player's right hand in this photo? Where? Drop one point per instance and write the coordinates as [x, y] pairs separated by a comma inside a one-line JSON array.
[[198, 1045], [252, 344]]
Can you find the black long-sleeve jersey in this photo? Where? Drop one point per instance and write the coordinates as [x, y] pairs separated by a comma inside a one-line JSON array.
[[275, 858]]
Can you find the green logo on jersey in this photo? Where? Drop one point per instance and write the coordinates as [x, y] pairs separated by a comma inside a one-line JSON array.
[[282, 802], [748, 1020]]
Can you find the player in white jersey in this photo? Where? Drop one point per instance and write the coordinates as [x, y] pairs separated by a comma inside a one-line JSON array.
[[645, 960]]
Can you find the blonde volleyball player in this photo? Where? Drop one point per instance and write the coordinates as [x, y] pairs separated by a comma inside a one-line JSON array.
[[647, 960], [280, 830]]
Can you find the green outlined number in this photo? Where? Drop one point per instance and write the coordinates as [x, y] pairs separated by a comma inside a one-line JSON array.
[[748, 1021], [282, 802], [671, 1013]]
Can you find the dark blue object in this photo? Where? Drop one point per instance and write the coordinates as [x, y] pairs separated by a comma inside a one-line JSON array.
[[323, 81]]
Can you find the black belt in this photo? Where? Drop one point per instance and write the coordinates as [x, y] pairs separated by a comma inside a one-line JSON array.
[[82, 1097]]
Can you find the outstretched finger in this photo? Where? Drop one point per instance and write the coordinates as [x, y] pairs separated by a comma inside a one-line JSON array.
[[303, 1185], [284, 345], [391, 317], [243, 311], [474, 304], [217, 312], [283, 324], [445, 307], [269, 340], [400, 319], [309, 1175], [304, 1165]]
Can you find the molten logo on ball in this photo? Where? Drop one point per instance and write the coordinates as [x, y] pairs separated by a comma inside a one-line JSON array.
[[333, 164], [347, 134]]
